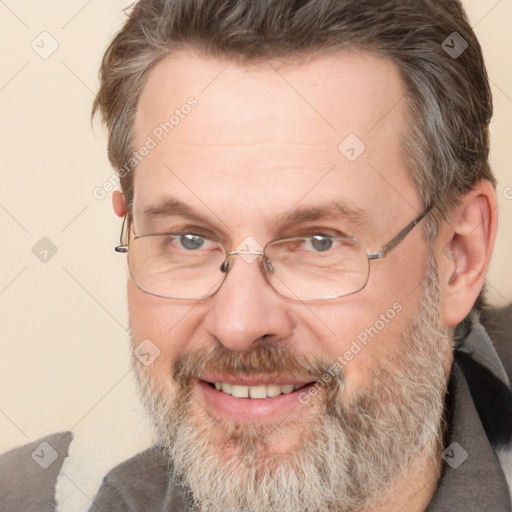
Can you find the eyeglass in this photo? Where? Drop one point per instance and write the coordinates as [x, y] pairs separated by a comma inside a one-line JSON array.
[[305, 268]]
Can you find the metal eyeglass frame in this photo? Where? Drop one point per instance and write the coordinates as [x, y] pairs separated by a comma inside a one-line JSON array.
[[371, 255]]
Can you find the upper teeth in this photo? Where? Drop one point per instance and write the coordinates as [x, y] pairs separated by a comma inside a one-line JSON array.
[[263, 391]]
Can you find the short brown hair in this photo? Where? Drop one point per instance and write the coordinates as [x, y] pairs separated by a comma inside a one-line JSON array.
[[449, 100]]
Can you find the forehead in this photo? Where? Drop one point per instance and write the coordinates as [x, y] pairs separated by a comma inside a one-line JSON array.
[[264, 136], [329, 91]]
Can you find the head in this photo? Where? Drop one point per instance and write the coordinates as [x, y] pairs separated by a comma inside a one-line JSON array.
[[241, 123]]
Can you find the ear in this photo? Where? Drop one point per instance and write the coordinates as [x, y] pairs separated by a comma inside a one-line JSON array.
[[465, 244], [118, 202]]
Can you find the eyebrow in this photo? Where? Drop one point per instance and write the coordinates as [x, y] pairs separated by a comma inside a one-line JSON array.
[[172, 207], [334, 210]]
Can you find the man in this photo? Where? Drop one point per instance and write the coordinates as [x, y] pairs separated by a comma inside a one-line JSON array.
[[309, 217]]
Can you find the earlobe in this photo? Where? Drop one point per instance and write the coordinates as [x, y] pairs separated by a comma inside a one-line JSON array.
[[466, 251], [118, 203]]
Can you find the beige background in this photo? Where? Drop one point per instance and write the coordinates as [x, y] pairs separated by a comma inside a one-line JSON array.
[[64, 361]]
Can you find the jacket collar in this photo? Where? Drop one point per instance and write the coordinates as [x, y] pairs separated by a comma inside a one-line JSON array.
[[479, 423]]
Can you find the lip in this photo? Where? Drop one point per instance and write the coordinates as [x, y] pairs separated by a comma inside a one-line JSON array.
[[250, 409], [245, 380]]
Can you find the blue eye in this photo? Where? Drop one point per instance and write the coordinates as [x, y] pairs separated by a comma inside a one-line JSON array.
[[321, 243], [191, 242]]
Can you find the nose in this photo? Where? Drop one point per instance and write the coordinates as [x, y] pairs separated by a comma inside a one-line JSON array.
[[246, 310]]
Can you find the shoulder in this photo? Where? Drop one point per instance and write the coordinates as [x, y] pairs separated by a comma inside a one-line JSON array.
[[485, 357], [141, 481], [28, 474]]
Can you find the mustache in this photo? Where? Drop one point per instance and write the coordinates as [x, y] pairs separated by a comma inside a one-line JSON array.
[[265, 359]]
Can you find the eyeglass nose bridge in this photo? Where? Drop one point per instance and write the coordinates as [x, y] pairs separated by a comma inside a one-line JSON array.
[[255, 253], [265, 261]]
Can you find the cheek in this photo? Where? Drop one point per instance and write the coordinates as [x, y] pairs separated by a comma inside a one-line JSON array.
[[366, 345], [168, 325], [363, 332]]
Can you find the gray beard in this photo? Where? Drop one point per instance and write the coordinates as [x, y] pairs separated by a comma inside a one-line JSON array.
[[352, 445]]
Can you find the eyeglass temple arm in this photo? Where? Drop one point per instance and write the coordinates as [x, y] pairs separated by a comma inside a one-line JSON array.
[[399, 237], [122, 247]]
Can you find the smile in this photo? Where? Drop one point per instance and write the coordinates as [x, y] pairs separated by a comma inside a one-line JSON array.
[[251, 399], [257, 392]]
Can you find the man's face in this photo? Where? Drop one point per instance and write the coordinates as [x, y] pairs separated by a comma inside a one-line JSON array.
[[266, 150]]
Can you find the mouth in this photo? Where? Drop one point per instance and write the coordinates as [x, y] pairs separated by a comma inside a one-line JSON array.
[[251, 399], [257, 392]]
